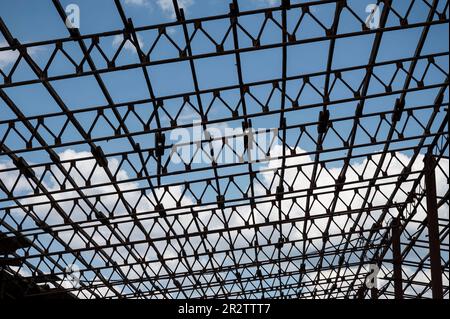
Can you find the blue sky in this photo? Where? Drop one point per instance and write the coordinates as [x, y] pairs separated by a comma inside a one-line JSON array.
[[98, 16], [32, 21], [175, 78]]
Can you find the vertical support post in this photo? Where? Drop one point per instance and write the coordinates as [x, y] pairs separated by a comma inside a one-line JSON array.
[[374, 293], [2, 283], [433, 227], [360, 293], [397, 259]]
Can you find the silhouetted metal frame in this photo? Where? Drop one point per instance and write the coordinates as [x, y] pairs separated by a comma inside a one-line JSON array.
[[394, 238]]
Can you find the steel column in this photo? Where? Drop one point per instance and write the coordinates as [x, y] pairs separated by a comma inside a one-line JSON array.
[[397, 259], [433, 227]]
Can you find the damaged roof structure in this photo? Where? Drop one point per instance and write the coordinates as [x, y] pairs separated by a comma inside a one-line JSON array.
[[268, 151]]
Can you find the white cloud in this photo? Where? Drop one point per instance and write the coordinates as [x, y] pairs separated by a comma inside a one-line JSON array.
[[129, 46], [9, 57], [300, 182], [138, 3], [167, 6], [82, 169], [9, 178], [171, 30], [145, 204]]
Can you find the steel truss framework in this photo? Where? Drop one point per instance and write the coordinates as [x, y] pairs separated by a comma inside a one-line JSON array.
[[310, 227]]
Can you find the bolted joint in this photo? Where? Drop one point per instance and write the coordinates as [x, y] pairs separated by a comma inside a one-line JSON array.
[[220, 201], [234, 8], [398, 109], [99, 156], [160, 209], [280, 191], [324, 121], [285, 4], [22, 165], [160, 142]]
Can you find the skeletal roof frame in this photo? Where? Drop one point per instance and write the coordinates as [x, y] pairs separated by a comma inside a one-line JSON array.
[[200, 231]]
